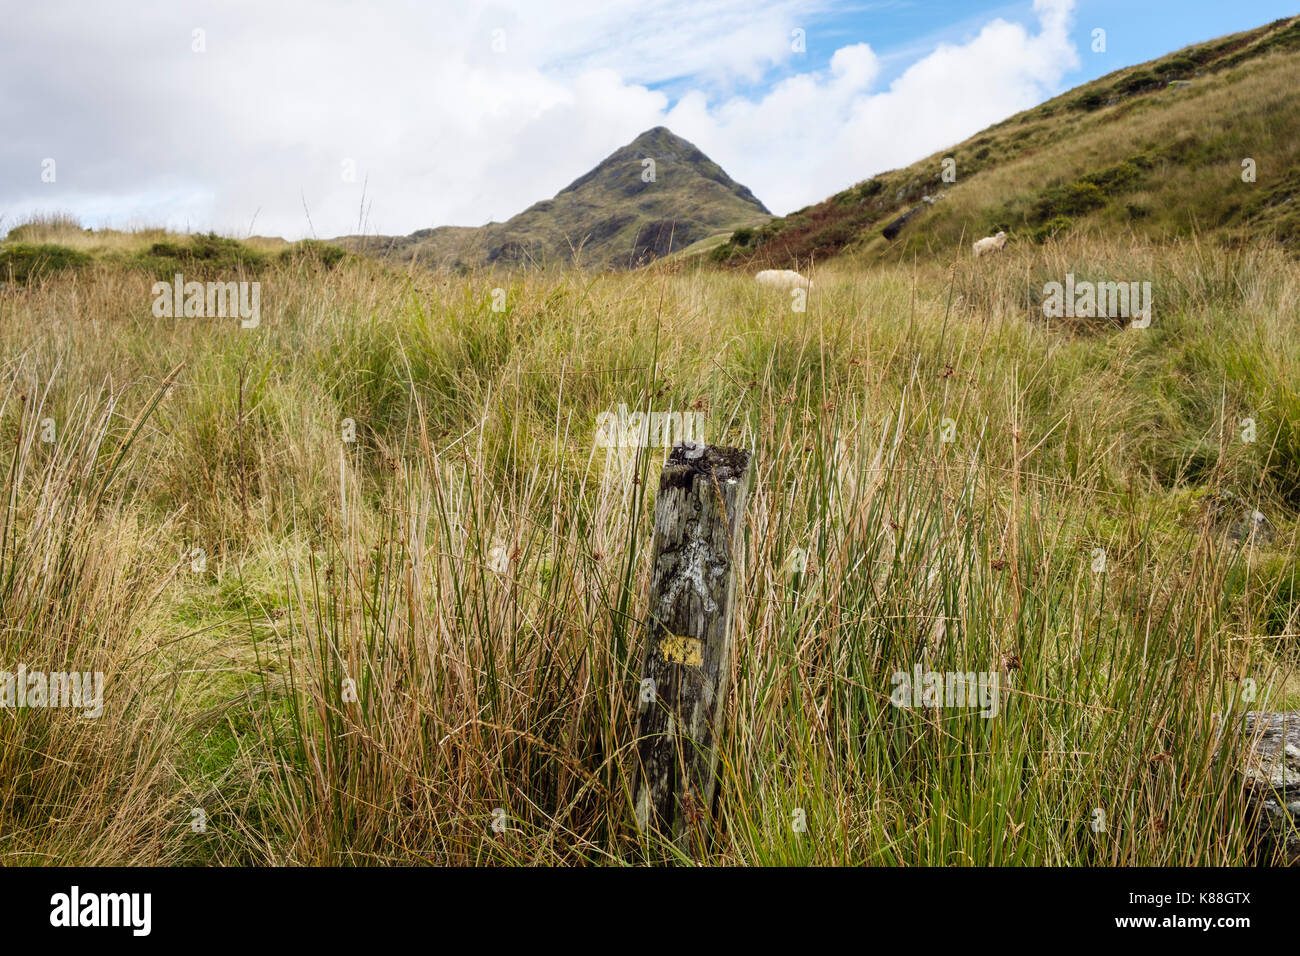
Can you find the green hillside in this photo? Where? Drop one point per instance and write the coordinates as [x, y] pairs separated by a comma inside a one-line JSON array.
[[1156, 150], [614, 216]]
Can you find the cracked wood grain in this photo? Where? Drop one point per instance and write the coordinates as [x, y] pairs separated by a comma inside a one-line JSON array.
[[697, 569]]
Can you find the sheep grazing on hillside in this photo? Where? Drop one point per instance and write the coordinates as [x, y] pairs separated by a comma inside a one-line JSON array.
[[990, 244], [783, 279]]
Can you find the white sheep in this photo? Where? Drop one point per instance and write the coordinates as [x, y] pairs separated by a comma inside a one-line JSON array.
[[990, 244], [783, 279]]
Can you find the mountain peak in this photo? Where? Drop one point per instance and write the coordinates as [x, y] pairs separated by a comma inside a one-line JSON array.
[[673, 157], [652, 197], [658, 135]]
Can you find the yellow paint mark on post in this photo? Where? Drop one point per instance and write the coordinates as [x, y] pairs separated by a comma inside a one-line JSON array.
[[682, 650]]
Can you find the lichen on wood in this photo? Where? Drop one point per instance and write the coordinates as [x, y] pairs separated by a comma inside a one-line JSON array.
[[697, 567]]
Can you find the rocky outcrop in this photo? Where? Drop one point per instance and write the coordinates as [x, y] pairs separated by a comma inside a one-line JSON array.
[[892, 230], [1272, 780]]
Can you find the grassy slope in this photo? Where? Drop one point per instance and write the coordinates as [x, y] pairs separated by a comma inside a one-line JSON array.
[[607, 218], [1127, 153], [54, 244]]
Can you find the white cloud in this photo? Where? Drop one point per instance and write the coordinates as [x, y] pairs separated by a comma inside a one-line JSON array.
[[445, 129], [813, 135]]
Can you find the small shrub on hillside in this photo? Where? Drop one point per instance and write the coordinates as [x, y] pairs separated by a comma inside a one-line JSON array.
[[1116, 178], [835, 235], [767, 232], [314, 251], [1138, 82], [1179, 64], [1092, 100], [25, 263], [205, 254], [1211, 51], [722, 253], [1075, 199], [1050, 229]]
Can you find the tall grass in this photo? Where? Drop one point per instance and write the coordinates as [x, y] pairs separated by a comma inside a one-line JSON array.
[[398, 642], [79, 569]]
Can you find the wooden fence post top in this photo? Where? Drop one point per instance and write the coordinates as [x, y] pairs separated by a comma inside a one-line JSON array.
[[688, 459]]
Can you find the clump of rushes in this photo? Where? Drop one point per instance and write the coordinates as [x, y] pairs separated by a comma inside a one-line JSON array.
[[80, 568]]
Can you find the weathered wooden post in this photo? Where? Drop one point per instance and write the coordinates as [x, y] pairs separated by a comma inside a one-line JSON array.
[[698, 556]]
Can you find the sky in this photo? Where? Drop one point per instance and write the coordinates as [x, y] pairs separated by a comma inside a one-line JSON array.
[[302, 118]]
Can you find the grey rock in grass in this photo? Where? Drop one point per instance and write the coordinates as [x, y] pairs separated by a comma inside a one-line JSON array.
[[892, 230], [1272, 779], [1243, 524], [1251, 528]]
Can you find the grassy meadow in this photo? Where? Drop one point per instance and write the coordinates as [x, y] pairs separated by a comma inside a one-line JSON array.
[[476, 568]]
